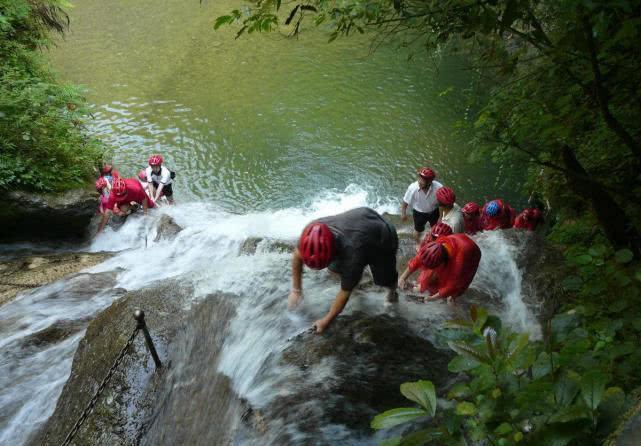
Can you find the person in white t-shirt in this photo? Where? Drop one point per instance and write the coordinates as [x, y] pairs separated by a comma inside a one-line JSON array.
[[159, 179], [450, 212], [421, 196]]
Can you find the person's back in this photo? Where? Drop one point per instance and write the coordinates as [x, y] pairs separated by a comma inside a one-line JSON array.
[[362, 238], [454, 274]]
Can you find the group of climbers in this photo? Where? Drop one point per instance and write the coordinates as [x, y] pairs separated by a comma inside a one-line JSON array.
[[447, 257], [120, 195]]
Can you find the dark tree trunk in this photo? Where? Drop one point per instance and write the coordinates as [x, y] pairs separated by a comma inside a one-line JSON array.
[[617, 226]]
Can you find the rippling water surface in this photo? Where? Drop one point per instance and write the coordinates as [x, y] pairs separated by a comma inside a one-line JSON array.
[[265, 121]]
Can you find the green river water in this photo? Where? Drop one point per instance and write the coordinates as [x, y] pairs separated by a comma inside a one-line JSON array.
[[265, 121]]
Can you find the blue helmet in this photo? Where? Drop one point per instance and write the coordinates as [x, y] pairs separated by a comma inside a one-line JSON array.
[[492, 209]]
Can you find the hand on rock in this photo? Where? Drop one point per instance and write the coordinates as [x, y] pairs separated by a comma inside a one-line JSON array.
[[320, 325]]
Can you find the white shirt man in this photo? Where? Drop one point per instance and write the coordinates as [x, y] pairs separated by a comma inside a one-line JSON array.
[[159, 180], [421, 196]]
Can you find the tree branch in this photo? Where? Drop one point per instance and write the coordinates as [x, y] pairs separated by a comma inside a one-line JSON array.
[[601, 94]]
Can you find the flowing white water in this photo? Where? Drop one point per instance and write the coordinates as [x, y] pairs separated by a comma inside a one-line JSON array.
[[207, 254]]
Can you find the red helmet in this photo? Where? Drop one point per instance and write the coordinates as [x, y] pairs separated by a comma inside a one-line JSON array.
[[142, 175], [119, 187], [316, 245], [155, 160], [445, 196], [432, 254], [105, 169], [427, 173], [440, 229], [101, 183], [471, 208]]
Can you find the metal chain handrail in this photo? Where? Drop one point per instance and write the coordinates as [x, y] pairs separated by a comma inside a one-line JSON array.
[[141, 325], [101, 388]]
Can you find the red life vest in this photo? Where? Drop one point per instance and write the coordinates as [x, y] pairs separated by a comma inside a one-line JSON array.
[[454, 276], [472, 224]]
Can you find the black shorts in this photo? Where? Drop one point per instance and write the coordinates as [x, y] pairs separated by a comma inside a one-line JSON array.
[[167, 191], [422, 218], [384, 265]]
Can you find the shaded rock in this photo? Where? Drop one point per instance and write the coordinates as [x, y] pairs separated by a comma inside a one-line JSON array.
[[37, 216], [142, 405], [34, 271], [542, 265], [348, 375], [55, 333], [167, 228], [120, 411]]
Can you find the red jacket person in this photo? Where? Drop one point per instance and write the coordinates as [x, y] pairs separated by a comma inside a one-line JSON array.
[[448, 266]]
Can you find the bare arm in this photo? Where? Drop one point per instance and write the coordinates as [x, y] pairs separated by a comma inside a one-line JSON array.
[[337, 307], [296, 294], [158, 192], [403, 211], [103, 221], [402, 280]]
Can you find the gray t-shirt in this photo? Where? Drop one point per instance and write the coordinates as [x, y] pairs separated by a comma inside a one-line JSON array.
[[362, 238]]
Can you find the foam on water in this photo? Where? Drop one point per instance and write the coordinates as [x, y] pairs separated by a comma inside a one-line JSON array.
[[207, 254]]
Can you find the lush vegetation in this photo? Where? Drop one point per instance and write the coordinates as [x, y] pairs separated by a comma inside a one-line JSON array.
[[558, 94], [43, 145]]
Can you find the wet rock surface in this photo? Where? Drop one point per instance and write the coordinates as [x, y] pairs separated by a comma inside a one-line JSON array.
[[36, 216], [167, 229], [120, 412], [28, 272], [346, 376]]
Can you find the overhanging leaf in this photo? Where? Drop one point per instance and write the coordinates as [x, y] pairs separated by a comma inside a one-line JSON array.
[[397, 416], [465, 349], [421, 392], [592, 387]]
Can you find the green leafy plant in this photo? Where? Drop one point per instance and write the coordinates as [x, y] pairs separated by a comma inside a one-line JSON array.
[[516, 390]]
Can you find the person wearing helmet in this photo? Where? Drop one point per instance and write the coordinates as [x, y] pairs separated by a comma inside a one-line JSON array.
[[450, 212], [102, 187], [108, 173], [421, 196], [497, 215], [346, 243], [528, 219], [471, 218], [159, 179], [438, 230], [123, 193], [142, 177], [448, 266]]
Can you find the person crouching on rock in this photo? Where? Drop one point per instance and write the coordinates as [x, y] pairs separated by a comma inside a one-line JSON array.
[[528, 219], [497, 215], [447, 266], [346, 243], [123, 193], [159, 179]]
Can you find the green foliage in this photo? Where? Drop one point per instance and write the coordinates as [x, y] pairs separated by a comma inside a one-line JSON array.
[[43, 144], [521, 391]]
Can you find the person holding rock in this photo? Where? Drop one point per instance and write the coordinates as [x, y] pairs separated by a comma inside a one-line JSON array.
[[448, 266], [421, 196], [123, 193], [346, 243]]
